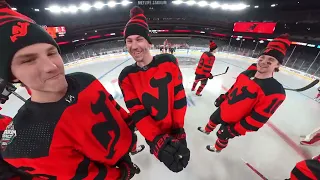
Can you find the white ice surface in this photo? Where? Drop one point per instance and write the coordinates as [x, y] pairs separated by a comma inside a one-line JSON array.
[[265, 149]]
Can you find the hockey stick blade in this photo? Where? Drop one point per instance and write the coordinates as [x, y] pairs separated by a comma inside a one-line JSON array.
[[254, 170], [313, 83]]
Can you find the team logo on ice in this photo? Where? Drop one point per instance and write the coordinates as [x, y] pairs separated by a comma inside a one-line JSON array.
[[8, 135]]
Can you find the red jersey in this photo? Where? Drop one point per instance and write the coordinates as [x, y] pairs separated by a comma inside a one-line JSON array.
[[155, 95], [251, 102], [205, 64], [82, 136], [308, 169]]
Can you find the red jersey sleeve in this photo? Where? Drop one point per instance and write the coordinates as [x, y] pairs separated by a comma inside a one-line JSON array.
[[180, 100], [139, 114], [260, 114], [308, 169]]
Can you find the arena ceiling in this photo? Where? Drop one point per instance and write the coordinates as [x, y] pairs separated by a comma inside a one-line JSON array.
[[297, 17]]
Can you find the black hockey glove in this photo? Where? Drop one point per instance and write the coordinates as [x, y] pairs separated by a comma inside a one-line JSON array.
[[171, 152], [220, 100], [179, 134], [227, 132], [210, 77], [131, 124], [127, 168]]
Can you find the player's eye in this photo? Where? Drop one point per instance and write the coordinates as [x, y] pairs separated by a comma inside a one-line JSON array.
[[28, 60], [52, 53]]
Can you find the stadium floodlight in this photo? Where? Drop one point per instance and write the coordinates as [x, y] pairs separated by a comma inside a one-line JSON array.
[[215, 5], [125, 2], [37, 10], [85, 6], [203, 3], [99, 5], [73, 9], [54, 9], [274, 5], [15, 9], [177, 2], [238, 39], [238, 7], [261, 41], [190, 2], [256, 6], [112, 4]]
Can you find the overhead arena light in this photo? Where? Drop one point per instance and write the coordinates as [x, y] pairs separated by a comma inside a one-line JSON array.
[[125, 2], [215, 5], [73, 9], [112, 4], [99, 5], [54, 9], [65, 9], [177, 2], [203, 3], [37, 10], [85, 6], [14, 9], [190, 2]]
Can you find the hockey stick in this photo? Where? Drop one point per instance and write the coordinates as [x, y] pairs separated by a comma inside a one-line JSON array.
[[313, 83], [215, 75], [18, 96], [254, 170]]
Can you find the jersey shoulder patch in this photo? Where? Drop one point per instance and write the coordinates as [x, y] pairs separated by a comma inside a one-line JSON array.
[[272, 86]]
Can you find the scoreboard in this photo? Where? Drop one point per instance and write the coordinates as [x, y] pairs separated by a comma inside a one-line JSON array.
[[55, 31]]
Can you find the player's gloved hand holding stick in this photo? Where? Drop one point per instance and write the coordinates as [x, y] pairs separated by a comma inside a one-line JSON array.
[[127, 168], [211, 76], [6, 90], [171, 152]]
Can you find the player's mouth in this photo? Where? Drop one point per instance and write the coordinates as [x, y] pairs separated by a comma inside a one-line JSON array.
[[137, 53], [263, 66], [54, 77]]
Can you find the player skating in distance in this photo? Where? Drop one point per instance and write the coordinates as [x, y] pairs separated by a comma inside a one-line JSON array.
[[311, 139], [71, 127], [154, 94], [253, 98], [317, 98], [203, 70]]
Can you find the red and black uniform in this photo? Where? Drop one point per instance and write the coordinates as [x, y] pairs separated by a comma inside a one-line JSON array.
[[156, 99], [155, 96], [306, 170], [246, 107], [203, 70], [85, 135]]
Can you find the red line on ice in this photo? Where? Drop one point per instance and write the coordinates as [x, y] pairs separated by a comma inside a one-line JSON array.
[[283, 136]]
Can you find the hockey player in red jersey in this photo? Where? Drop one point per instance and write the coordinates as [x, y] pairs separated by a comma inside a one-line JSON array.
[[203, 71], [252, 99], [71, 128], [311, 139], [317, 98], [154, 94], [306, 170]]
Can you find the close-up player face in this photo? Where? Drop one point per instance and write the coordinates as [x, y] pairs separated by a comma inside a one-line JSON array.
[[39, 67], [138, 47], [267, 64]]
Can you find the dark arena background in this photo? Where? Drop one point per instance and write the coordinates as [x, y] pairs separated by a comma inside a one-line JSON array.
[[90, 35]]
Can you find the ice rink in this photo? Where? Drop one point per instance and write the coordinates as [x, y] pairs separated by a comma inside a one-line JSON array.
[[273, 150]]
